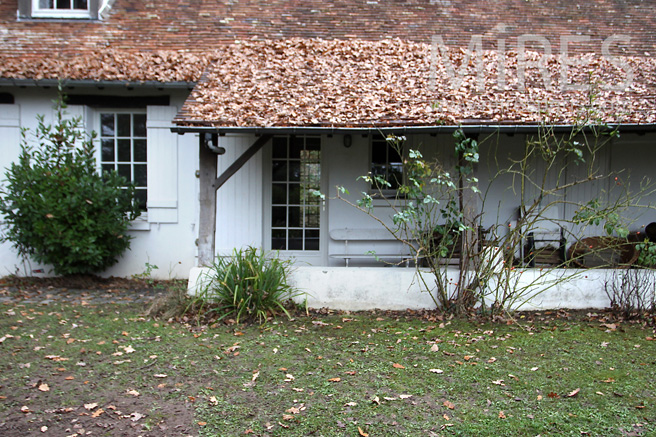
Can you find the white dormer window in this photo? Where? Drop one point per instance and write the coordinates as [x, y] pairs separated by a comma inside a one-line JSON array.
[[61, 9]]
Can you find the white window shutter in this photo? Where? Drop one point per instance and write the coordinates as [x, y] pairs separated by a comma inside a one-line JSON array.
[[10, 134], [162, 165]]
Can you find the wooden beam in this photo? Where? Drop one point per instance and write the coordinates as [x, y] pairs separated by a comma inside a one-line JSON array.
[[207, 167], [243, 159]]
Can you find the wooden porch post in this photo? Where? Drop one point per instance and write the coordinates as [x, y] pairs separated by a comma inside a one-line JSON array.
[[209, 184], [207, 167]]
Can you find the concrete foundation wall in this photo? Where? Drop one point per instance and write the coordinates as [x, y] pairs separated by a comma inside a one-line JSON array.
[[366, 288]]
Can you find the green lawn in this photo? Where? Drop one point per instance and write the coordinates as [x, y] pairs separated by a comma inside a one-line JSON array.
[[109, 370]]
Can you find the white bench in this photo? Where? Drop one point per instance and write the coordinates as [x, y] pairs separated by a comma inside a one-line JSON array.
[[372, 235]]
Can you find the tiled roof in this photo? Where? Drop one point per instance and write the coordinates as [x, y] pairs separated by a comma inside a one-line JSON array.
[[299, 82], [173, 41], [134, 28]]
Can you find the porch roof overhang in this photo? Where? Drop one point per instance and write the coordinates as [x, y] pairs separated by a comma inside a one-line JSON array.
[[399, 130], [96, 84]]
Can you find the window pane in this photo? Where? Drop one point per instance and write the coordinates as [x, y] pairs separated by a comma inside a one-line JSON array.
[[395, 175], [294, 171], [107, 125], [278, 239], [123, 123], [140, 149], [393, 155], [139, 126], [63, 4], [278, 216], [108, 168], [123, 150], [311, 174], [295, 239], [295, 147], [279, 194], [312, 215], [141, 196], [312, 240], [280, 147], [107, 150], [313, 143], [294, 217], [46, 4], [125, 170], [308, 196], [279, 171], [140, 175], [294, 194], [80, 4], [378, 152]]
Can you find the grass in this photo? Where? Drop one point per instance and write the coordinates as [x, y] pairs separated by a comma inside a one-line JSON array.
[[328, 375]]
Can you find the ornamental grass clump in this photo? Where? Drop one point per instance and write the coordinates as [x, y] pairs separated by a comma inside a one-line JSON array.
[[249, 285]]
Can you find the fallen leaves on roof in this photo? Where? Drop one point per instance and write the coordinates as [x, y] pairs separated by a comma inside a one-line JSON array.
[[313, 82], [109, 65]]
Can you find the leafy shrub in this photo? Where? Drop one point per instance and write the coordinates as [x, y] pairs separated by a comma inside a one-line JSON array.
[[249, 285], [646, 254], [58, 209]]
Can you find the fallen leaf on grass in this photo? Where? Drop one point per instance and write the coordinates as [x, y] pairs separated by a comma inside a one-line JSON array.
[[214, 400], [160, 375], [362, 433], [69, 378], [202, 423], [502, 415], [435, 348], [449, 405], [91, 406], [376, 400], [439, 371], [25, 409], [289, 377], [573, 393], [137, 416], [405, 396], [44, 387], [97, 413], [44, 428], [335, 379], [133, 393], [350, 404], [397, 366]]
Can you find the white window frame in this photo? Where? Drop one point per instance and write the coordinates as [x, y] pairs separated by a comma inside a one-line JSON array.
[[313, 257], [384, 193], [141, 222], [39, 12]]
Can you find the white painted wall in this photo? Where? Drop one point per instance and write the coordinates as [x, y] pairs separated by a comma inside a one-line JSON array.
[[239, 221], [167, 238]]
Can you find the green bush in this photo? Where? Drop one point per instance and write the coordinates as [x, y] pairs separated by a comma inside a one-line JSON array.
[[249, 285], [58, 209]]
